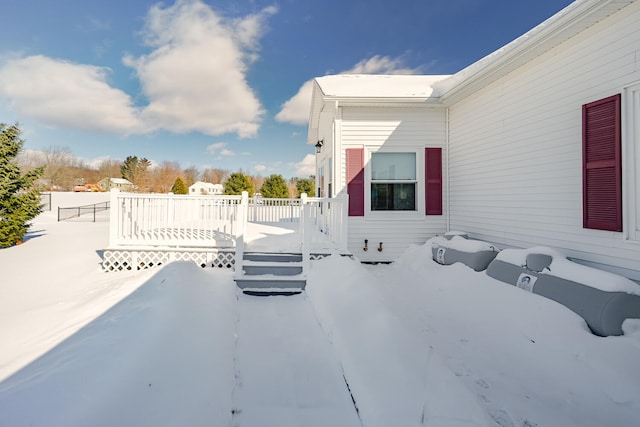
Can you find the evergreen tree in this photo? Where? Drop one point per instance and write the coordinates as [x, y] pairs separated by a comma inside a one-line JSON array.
[[305, 185], [179, 187], [275, 187], [135, 171], [129, 168], [19, 200], [237, 183]]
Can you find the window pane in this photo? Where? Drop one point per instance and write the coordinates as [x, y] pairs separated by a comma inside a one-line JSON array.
[[386, 166], [393, 197]]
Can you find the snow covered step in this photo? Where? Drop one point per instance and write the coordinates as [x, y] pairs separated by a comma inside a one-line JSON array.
[[272, 273], [253, 268], [270, 282], [272, 257]]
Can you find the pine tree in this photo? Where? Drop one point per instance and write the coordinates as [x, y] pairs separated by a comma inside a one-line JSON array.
[[135, 170], [305, 185], [179, 187], [129, 168], [237, 183], [19, 201], [275, 187]]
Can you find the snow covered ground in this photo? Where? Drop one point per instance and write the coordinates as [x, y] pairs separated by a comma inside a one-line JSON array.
[[407, 344]]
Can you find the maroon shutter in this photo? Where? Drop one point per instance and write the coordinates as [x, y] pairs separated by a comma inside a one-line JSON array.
[[602, 165], [433, 180], [355, 181]]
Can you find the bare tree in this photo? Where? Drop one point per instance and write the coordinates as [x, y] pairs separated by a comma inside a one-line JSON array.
[[61, 168], [108, 168], [257, 181], [162, 177], [190, 175], [215, 175]]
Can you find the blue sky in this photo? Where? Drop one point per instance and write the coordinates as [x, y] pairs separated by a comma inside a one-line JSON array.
[[222, 84]]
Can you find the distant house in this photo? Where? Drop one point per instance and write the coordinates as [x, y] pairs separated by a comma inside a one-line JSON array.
[[206, 188], [107, 184], [535, 144]]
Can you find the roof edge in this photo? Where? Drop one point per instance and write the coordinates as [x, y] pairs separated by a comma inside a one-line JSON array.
[[550, 33]]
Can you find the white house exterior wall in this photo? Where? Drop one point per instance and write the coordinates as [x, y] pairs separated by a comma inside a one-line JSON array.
[[391, 129], [515, 149]]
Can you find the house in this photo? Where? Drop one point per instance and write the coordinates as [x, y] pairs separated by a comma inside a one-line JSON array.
[[536, 144], [206, 188], [107, 184]]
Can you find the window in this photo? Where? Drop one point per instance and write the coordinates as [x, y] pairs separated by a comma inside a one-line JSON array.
[[393, 182], [602, 164]]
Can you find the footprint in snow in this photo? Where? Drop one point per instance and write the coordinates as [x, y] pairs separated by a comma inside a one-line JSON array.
[[501, 417], [458, 368], [482, 383]]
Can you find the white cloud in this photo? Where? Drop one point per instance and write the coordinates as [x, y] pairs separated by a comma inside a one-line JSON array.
[[220, 148], [260, 168], [217, 148], [214, 148], [380, 65], [296, 109], [62, 93], [307, 166], [193, 79]]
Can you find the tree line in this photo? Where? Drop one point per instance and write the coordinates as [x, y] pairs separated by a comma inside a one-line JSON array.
[[24, 174], [63, 171]]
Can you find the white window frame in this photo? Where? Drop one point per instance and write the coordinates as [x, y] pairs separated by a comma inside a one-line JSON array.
[[631, 163], [417, 214]]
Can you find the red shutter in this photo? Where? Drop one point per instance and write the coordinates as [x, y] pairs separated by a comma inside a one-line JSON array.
[[433, 180], [355, 181], [602, 165]]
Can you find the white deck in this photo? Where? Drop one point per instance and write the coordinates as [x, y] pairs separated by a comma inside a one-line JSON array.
[[282, 237]]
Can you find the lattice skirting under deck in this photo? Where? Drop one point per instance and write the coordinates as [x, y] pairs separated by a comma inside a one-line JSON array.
[[140, 259]]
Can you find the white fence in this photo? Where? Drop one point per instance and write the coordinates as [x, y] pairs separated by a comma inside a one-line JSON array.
[[144, 220], [324, 222], [172, 220], [263, 209]]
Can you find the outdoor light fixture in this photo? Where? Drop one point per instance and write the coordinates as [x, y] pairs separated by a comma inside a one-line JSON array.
[[319, 145]]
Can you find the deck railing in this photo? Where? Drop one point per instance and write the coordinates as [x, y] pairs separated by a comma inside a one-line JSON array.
[[325, 221], [220, 221], [262, 209], [173, 220]]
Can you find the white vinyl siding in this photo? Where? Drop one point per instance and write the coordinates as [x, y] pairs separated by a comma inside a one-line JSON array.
[[393, 129], [516, 146]]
